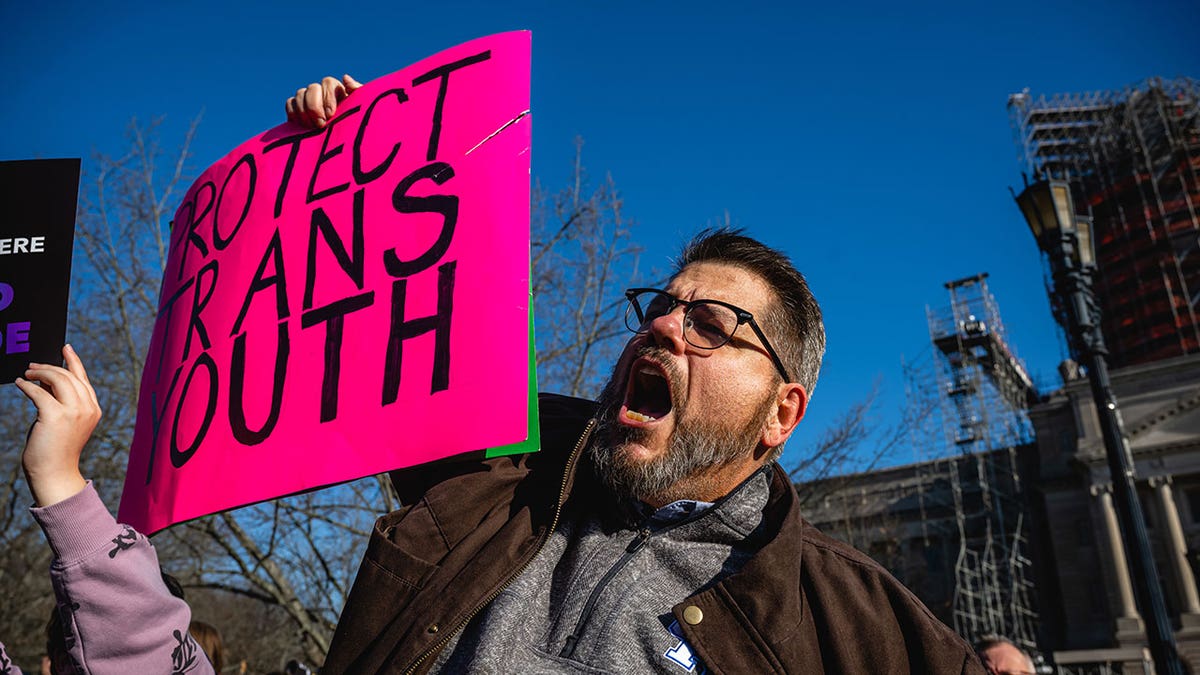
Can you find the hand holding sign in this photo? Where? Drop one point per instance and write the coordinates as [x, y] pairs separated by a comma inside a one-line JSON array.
[[67, 414], [313, 105], [345, 300]]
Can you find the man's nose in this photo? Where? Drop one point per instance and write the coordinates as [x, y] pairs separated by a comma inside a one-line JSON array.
[[667, 330]]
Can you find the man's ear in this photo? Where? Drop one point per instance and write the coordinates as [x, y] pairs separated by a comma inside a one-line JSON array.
[[790, 403]]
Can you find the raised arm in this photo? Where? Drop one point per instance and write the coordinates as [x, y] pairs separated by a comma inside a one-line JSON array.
[[116, 613], [312, 106]]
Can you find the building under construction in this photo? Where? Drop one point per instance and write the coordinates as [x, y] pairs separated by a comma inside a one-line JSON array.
[[952, 525], [1133, 156]]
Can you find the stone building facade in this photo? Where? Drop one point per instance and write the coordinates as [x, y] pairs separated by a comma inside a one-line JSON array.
[[1086, 598], [906, 518]]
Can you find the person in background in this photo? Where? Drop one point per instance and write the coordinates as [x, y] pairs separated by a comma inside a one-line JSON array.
[[1002, 656], [209, 638]]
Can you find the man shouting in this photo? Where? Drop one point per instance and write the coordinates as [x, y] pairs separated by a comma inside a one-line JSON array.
[[654, 531]]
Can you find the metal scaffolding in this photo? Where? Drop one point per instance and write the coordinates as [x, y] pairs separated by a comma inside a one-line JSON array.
[[977, 391], [1133, 156]]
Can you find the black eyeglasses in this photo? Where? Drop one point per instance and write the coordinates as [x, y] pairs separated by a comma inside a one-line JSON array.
[[707, 324]]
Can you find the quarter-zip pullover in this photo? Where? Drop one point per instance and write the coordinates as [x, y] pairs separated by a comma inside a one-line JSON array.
[[597, 598]]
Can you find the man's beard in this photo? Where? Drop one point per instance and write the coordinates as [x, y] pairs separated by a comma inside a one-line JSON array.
[[693, 448]]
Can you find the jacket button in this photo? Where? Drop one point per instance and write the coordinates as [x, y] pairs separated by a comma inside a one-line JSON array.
[[433, 628], [693, 615]]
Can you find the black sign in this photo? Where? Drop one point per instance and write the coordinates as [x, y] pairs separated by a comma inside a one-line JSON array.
[[37, 231]]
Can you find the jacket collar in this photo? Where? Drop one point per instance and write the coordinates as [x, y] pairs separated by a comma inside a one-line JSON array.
[[776, 613]]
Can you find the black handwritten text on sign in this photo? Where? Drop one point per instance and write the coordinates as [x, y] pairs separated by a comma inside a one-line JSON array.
[[346, 298]]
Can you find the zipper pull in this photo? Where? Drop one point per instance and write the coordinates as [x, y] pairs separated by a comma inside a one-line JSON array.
[[568, 649], [642, 537]]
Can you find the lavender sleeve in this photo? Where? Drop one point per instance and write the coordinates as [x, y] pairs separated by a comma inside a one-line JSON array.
[[7, 667], [117, 614]]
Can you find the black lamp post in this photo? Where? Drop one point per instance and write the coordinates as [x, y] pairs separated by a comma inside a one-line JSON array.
[[1066, 238]]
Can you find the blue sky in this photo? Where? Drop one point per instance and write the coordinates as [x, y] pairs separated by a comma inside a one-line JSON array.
[[869, 140]]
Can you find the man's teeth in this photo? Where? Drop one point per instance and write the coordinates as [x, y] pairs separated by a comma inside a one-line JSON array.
[[637, 416], [649, 370]]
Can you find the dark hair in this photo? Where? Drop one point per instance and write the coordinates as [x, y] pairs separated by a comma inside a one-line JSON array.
[[986, 642], [794, 322], [56, 645], [173, 586]]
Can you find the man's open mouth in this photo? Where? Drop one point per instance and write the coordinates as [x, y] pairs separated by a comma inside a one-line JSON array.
[[648, 395]]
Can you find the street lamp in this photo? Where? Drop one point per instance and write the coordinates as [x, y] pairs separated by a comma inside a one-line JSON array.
[[1065, 236]]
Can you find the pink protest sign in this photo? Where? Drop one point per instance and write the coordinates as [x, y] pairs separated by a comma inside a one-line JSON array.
[[345, 301]]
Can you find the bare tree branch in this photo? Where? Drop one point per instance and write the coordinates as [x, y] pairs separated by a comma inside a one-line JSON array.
[[583, 256], [853, 443]]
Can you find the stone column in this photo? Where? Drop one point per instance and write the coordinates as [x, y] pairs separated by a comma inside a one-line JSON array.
[[1176, 547], [1130, 629], [1188, 635]]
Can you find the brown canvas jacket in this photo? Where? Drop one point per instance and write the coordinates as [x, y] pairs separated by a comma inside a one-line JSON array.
[[805, 603]]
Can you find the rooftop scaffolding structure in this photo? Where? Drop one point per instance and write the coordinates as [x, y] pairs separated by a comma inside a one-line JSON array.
[[1132, 155], [967, 461]]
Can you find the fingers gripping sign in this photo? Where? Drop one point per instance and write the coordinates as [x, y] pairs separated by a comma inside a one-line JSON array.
[[67, 413], [314, 105]]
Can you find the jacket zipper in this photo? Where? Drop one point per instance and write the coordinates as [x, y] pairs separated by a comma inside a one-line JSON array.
[[562, 493], [568, 650]]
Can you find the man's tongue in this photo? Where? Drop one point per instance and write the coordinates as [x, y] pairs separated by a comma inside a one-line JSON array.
[[649, 395]]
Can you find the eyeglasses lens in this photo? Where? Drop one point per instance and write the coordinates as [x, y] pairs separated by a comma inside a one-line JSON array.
[[708, 325], [705, 324]]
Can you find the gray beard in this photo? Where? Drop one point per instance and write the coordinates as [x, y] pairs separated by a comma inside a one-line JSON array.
[[693, 447]]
